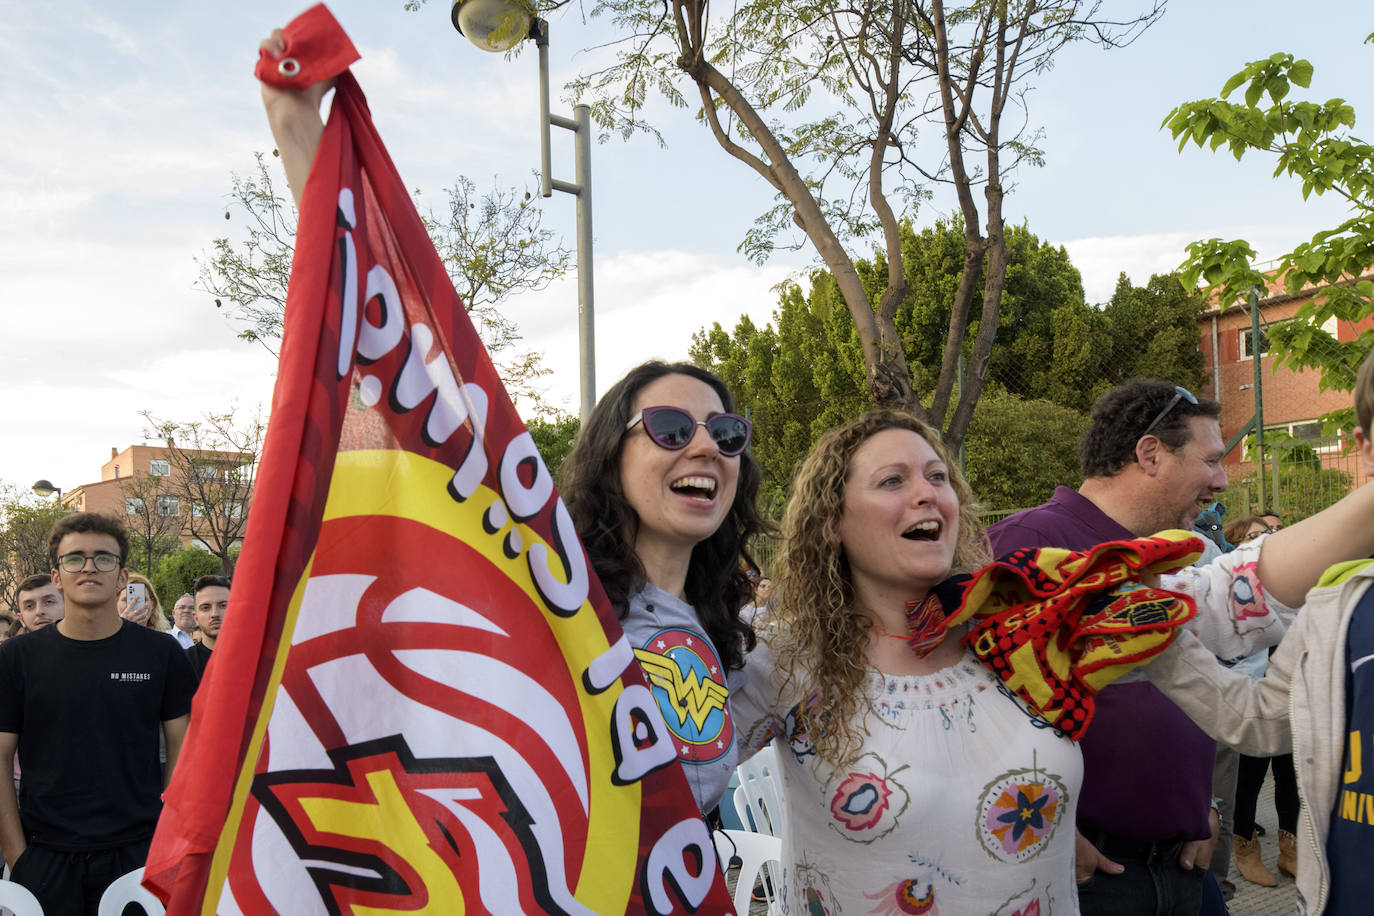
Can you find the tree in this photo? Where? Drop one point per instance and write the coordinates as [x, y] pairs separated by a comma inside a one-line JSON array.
[[808, 374], [178, 570], [1019, 450], [25, 522], [1151, 331], [213, 463], [152, 534], [823, 101], [1312, 142], [492, 246], [554, 437]]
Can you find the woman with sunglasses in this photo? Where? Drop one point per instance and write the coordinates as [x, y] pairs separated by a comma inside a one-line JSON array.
[[661, 490]]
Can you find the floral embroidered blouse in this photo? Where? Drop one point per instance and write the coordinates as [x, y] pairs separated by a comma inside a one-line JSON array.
[[960, 803]]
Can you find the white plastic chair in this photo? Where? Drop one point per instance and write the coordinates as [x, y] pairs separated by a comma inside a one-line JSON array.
[[758, 854], [758, 800], [129, 889], [19, 900]]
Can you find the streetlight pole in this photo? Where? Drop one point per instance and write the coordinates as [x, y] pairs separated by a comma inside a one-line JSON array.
[[496, 25]]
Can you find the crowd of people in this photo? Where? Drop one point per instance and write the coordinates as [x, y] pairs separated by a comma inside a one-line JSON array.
[[98, 685], [915, 778]]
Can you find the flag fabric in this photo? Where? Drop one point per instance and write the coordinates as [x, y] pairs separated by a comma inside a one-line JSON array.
[[422, 701]]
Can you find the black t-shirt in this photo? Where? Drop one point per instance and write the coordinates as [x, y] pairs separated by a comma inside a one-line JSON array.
[[88, 714], [1350, 846], [199, 657]]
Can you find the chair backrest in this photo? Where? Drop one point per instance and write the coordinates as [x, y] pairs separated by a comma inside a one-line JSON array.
[[19, 900], [129, 889], [760, 855], [758, 800]]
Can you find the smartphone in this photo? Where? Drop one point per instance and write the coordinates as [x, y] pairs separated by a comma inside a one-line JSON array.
[[133, 592]]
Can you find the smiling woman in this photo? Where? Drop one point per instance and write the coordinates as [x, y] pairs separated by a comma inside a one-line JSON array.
[[661, 488], [914, 783]]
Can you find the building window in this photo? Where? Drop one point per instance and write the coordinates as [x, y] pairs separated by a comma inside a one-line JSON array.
[[207, 471], [1247, 348], [159, 467], [168, 507], [235, 510], [133, 505]]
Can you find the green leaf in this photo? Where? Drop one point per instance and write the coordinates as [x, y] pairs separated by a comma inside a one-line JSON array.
[[1301, 73]]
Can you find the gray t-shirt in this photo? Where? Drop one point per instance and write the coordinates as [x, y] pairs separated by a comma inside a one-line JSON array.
[[692, 691]]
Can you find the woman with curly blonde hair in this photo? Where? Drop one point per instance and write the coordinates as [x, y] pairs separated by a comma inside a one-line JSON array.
[[914, 783]]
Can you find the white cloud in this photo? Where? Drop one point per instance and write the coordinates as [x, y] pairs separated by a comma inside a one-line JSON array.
[[1101, 259], [648, 306]]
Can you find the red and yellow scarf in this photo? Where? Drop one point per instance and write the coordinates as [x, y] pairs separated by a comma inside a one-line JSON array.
[[1058, 625]]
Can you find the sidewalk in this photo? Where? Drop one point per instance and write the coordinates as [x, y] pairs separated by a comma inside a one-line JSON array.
[[1251, 899]]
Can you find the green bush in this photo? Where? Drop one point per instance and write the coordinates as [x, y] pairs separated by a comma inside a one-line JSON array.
[[176, 573], [1019, 450]]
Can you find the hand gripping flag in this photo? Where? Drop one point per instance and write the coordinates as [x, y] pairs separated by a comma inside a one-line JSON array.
[[423, 703], [1059, 625]]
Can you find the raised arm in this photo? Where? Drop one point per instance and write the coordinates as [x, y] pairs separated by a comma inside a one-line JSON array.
[[1293, 559], [295, 120]]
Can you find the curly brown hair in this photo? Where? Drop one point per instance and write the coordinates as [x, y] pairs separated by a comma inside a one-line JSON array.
[[819, 635], [717, 585]]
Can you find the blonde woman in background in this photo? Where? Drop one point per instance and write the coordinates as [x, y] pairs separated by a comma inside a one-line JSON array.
[[149, 612]]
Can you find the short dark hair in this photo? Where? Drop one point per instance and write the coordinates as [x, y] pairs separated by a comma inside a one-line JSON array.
[[35, 581], [1120, 418], [88, 523], [208, 582]]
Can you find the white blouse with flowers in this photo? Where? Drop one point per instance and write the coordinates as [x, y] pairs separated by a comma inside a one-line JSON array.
[[961, 802]]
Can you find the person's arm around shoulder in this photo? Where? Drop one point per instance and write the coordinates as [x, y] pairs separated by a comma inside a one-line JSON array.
[[1250, 715], [295, 120], [12, 842]]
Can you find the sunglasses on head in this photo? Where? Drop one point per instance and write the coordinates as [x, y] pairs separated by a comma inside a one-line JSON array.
[[1180, 394], [672, 428]]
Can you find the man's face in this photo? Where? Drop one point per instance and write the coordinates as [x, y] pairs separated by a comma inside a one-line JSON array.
[[184, 613], [89, 586], [1189, 479], [211, 603], [40, 606]]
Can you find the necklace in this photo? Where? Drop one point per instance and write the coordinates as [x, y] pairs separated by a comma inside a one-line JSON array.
[[881, 632]]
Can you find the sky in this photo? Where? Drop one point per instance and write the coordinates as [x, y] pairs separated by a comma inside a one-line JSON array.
[[124, 122]]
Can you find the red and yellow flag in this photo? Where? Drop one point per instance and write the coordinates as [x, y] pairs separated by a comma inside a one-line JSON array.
[[422, 702]]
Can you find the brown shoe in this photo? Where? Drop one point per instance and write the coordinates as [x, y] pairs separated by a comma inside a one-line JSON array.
[[1288, 854], [1245, 855]]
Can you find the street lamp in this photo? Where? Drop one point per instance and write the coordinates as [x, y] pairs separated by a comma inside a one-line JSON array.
[[499, 25], [45, 488]]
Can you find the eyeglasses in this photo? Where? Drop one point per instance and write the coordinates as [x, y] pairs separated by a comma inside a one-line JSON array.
[[76, 561], [672, 428], [1180, 394], [1254, 534]]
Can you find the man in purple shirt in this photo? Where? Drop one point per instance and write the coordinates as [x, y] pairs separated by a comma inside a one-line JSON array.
[[1151, 460]]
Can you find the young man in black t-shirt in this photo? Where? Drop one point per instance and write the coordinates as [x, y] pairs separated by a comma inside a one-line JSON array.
[[85, 700], [211, 601]]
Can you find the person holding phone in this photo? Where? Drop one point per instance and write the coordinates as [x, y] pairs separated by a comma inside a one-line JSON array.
[[139, 603]]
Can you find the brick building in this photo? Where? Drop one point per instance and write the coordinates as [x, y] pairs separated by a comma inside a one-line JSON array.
[[153, 479], [1292, 399]]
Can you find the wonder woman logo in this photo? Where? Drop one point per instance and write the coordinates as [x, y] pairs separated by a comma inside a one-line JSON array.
[[689, 685]]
